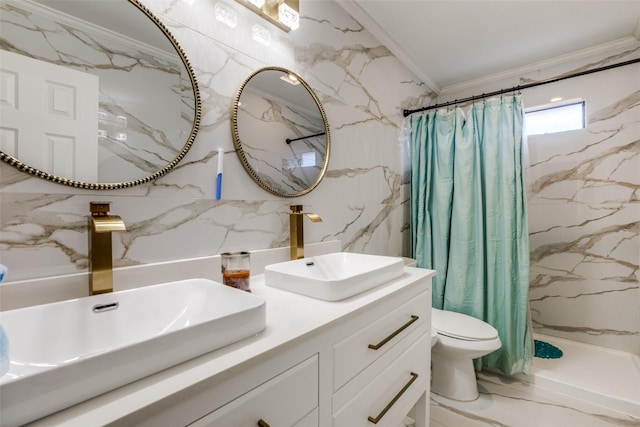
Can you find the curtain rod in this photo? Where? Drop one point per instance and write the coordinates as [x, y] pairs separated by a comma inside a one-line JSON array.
[[520, 87]]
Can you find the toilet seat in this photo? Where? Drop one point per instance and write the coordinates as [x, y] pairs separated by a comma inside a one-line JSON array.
[[461, 326]]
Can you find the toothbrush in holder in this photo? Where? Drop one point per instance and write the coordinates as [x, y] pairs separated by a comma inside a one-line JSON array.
[[219, 176]]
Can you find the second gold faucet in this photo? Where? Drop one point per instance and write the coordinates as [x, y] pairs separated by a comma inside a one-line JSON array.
[[296, 229], [101, 224]]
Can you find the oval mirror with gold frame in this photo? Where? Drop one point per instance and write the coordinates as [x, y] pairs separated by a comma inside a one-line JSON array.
[[99, 94], [280, 132]]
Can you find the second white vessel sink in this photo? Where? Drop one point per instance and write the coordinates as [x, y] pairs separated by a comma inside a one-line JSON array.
[[66, 352], [334, 276]]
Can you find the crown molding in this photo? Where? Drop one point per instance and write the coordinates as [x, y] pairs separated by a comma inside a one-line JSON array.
[[80, 24], [630, 42], [352, 8]]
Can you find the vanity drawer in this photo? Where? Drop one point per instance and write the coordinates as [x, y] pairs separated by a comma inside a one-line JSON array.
[[290, 399], [392, 393], [355, 353]]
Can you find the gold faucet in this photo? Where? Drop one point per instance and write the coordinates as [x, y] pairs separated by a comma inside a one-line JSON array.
[[101, 224], [296, 234]]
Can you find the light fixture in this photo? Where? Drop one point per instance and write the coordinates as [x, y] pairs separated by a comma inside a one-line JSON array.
[[261, 34], [290, 78], [556, 99], [225, 14], [284, 14], [288, 13]]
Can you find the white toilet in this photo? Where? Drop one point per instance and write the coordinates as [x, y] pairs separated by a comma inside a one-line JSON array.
[[461, 339]]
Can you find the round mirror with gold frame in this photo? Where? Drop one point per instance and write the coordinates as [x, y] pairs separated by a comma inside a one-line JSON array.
[[96, 94], [280, 132]]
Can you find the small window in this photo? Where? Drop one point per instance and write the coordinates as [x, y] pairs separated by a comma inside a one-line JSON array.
[[555, 118]]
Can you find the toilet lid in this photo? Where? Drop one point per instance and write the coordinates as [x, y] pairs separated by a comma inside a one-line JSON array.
[[458, 325]]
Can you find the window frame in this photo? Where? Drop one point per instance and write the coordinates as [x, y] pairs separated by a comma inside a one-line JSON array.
[[558, 105]]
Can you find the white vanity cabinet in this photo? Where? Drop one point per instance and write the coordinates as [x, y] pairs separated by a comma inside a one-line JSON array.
[[359, 362], [381, 370], [371, 369], [290, 399], [389, 395]]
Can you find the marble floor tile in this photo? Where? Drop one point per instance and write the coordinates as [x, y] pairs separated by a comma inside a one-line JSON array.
[[517, 404]]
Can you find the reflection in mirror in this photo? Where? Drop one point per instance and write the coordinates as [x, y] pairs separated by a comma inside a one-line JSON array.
[[96, 94], [280, 131]]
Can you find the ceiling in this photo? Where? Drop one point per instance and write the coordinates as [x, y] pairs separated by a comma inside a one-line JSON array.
[[451, 42]]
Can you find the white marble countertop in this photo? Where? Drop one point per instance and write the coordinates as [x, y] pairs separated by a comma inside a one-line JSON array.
[[290, 319]]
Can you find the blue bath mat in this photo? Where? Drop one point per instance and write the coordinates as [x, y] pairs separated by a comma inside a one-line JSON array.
[[544, 350]]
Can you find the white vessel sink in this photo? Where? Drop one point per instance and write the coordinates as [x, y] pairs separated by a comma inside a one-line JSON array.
[[66, 352], [335, 276]]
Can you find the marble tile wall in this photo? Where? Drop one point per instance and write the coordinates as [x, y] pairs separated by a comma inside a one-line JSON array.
[[363, 88], [584, 204]]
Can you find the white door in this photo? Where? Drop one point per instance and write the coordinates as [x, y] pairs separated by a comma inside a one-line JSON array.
[[49, 116]]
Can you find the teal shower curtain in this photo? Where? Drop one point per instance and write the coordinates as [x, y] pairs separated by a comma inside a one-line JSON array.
[[469, 219]]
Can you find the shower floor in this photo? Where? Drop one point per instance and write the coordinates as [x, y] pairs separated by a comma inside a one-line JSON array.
[[607, 377]]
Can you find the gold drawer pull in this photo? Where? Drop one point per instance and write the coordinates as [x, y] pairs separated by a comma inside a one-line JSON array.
[[262, 423], [393, 335], [375, 420]]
